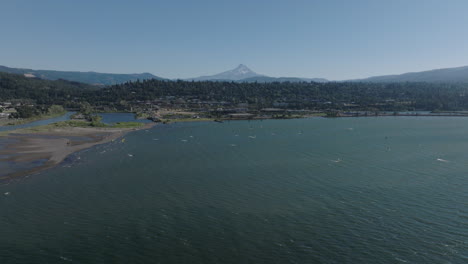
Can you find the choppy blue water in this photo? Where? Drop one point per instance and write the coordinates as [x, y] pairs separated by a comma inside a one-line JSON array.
[[357, 190]]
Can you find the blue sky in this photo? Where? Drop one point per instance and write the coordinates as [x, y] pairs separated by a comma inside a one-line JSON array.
[[334, 39]]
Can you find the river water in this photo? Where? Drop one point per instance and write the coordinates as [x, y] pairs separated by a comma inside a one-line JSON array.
[[38, 123], [349, 190]]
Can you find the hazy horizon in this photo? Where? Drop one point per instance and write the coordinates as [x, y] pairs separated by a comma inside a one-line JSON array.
[[221, 71], [336, 40]]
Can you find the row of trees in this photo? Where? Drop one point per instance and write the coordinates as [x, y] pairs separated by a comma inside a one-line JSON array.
[[319, 96], [28, 111]]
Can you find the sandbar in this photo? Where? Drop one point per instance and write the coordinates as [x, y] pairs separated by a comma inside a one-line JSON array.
[[54, 145]]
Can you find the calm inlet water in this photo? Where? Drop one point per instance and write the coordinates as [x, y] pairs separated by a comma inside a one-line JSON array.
[[357, 190], [112, 118], [38, 123]]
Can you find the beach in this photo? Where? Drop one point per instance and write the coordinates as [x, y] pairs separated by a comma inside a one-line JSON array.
[[52, 146]]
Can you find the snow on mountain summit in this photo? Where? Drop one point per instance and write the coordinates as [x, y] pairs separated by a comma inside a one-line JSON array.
[[239, 73]]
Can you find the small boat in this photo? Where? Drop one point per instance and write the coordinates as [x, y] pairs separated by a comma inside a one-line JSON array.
[[218, 121]]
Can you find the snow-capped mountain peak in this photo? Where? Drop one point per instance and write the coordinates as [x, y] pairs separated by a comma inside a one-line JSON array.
[[242, 73], [242, 69], [239, 73]]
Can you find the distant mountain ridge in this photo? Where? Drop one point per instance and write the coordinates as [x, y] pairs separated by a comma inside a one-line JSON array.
[[243, 74], [447, 75], [240, 74], [94, 78]]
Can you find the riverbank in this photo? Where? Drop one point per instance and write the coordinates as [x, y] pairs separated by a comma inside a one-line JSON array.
[[242, 118], [50, 145], [397, 114], [23, 121]]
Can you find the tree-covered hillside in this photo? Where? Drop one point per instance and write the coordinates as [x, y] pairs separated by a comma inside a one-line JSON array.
[[447, 75], [15, 86], [95, 78], [297, 95], [311, 95]]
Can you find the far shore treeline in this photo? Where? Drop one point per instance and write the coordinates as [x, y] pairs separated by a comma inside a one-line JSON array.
[[332, 96]]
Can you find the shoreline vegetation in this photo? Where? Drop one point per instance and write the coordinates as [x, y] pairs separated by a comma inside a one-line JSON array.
[[398, 114], [22, 121], [188, 118], [181, 101]]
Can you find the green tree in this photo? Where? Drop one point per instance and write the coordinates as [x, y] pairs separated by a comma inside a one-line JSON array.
[[56, 109], [86, 109]]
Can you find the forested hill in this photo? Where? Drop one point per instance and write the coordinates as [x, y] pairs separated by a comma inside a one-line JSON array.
[[94, 78], [447, 75], [16, 86], [183, 94], [310, 95]]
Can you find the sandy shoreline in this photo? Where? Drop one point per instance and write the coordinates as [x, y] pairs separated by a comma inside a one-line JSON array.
[[55, 145]]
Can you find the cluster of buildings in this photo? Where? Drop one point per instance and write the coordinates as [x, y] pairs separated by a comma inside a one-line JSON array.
[[282, 108], [6, 108], [178, 108]]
